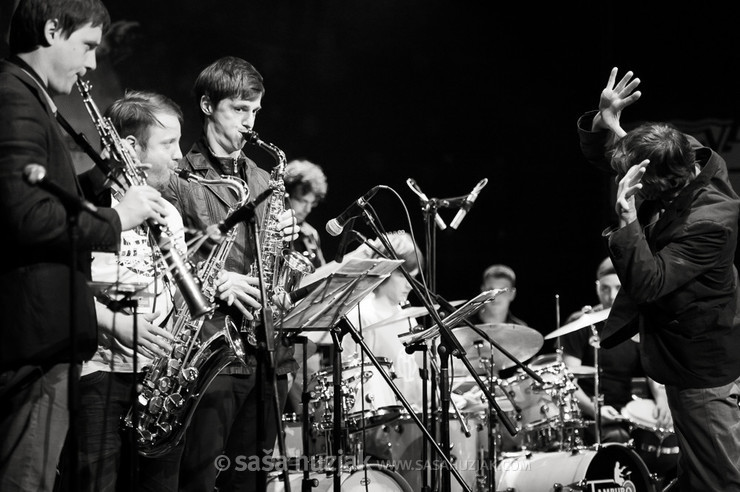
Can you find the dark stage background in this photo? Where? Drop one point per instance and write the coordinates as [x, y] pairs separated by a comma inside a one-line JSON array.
[[446, 93]]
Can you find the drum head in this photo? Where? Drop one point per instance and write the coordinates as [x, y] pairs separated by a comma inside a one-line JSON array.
[[640, 413]]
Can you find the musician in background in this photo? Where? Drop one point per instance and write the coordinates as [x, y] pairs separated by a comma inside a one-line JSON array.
[[618, 366], [499, 276], [231, 419], [385, 301], [150, 124], [52, 43], [305, 183]]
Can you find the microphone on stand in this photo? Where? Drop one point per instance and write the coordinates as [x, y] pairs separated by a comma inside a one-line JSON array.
[[241, 214], [467, 204], [336, 226], [35, 175], [424, 199]]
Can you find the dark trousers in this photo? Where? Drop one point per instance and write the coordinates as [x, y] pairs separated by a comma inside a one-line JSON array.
[[232, 428], [707, 424], [104, 461]]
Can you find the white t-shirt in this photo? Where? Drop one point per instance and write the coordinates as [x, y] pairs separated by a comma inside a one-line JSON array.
[[383, 341], [134, 264]]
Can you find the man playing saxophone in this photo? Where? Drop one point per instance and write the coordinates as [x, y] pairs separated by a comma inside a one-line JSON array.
[[232, 418], [51, 44], [149, 124]]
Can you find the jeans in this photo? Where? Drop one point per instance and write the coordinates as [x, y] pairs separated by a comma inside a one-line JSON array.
[[34, 419], [234, 421]]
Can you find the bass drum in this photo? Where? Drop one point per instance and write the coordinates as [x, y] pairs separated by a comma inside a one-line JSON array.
[[613, 467], [363, 479]]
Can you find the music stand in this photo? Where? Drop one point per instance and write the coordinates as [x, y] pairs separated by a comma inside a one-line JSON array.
[[331, 298], [124, 298]]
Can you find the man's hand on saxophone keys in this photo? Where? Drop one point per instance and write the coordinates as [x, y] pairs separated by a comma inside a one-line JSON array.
[[288, 225], [240, 291]]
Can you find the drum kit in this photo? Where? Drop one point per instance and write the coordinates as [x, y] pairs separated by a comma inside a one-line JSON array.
[[384, 442]]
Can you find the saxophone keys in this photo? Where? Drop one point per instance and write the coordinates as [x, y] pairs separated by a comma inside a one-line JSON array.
[[188, 375], [164, 384]]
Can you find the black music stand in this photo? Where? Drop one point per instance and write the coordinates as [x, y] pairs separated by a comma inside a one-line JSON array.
[[331, 297]]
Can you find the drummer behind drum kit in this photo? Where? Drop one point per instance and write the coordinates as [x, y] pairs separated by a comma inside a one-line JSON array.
[[546, 454]]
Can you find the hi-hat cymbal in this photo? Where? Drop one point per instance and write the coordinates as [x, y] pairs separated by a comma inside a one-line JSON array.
[[587, 319], [408, 313], [520, 341]]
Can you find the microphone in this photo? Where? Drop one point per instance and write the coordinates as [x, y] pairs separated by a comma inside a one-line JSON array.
[[336, 226], [35, 175], [467, 204], [424, 199]]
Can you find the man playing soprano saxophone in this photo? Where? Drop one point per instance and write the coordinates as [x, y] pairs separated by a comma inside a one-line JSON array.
[[231, 419], [52, 42]]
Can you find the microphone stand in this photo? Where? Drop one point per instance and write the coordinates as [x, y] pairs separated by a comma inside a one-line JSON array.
[[449, 345], [73, 372], [269, 347]]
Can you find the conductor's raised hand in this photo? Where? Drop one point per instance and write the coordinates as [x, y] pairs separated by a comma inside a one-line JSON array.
[[629, 185], [614, 98]]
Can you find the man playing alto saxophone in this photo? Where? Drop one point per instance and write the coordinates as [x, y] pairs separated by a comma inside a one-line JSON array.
[[231, 417], [150, 123]]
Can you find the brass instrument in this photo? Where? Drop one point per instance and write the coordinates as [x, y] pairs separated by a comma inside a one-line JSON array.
[[173, 385], [282, 268], [133, 176]]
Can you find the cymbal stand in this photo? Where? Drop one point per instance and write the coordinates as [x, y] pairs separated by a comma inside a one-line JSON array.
[[307, 483], [595, 342]]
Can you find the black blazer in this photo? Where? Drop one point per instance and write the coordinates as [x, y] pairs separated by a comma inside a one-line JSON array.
[[35, 272]]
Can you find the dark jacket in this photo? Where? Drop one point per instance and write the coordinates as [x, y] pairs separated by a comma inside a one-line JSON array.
[[204, 204], [35, 315], [679, 282]]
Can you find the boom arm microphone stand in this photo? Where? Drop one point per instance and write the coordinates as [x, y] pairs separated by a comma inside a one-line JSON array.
[[449, 345]]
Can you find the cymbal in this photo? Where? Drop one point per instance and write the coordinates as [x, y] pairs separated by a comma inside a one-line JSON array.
[[408, 313], [587, 319], [520, 341]]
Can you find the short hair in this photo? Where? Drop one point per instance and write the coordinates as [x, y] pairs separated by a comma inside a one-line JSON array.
[[302, 177], [228, 77], [27, 24], [136, 112], [405, 247], [606, 267], [672, 158], [500, 271]]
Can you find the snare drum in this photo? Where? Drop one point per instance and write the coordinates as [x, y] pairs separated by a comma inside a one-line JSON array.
[[658, 447], [368, 400], [613, 466]]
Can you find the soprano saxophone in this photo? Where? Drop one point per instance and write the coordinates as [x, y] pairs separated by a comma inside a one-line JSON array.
[[282, 267], [133, 176], [173, 385]]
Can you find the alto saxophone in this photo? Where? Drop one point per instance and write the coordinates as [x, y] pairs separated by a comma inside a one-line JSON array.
[[134, 176], [173, 385], [282, 267]]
